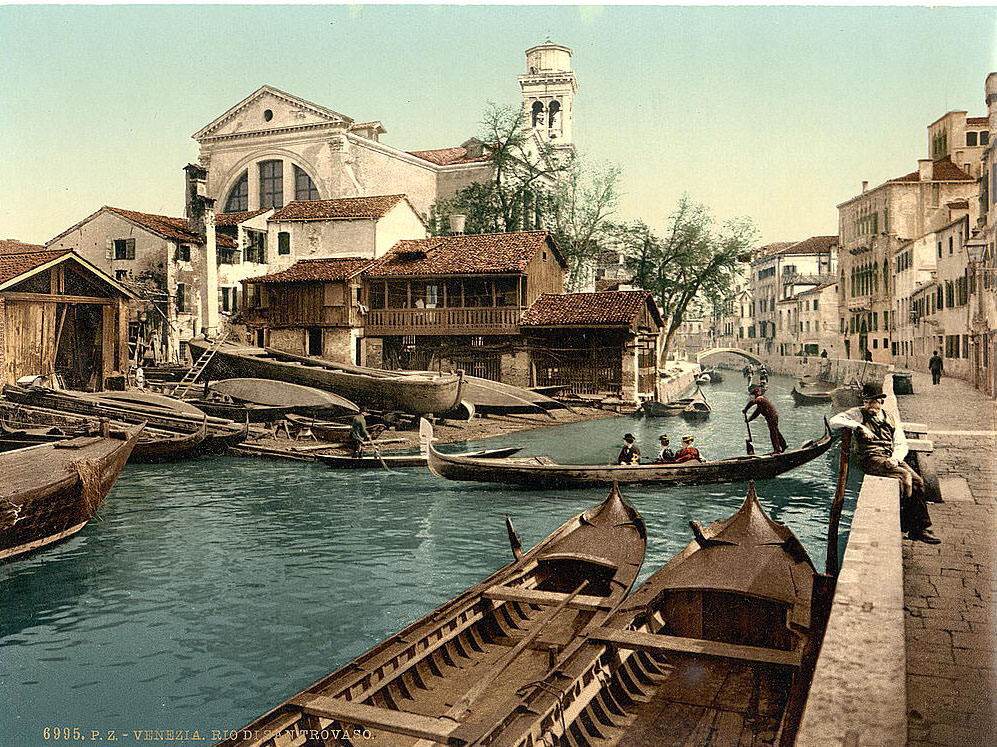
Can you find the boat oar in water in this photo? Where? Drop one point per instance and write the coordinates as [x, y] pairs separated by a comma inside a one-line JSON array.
[[517, 546], [749, 447]]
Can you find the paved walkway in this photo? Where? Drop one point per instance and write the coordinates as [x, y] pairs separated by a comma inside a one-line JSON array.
[[949, 589]]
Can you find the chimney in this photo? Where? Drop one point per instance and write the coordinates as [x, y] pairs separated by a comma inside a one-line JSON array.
[[457, 224], [865, 186], [925, 169], [195, 196]]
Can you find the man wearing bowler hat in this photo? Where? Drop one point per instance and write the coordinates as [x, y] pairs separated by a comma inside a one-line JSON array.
[[880, 445]]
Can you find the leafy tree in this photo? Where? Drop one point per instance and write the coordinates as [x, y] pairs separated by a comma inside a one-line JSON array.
[[694, 264]]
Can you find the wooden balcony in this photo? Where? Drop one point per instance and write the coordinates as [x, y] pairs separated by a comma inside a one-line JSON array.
[[455, 321]]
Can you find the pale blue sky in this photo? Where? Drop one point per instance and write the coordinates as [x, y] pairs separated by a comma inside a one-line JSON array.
[[773, 113]]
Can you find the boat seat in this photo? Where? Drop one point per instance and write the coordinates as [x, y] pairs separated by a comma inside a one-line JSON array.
[[638, 641], [373, 717], [77, 443], [534, 596]]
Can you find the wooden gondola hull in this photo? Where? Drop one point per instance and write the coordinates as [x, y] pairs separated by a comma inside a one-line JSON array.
[[816, 393], [542, 473], [403, 460], [653, 409], [50, 491], [370, 389], [459, 663]]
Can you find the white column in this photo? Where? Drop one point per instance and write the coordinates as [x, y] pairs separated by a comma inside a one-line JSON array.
[[209, 279]]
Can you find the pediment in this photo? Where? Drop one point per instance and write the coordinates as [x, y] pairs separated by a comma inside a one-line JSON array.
[[268, 109]]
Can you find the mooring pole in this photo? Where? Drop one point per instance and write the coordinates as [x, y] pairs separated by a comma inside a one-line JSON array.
[[831, 568]]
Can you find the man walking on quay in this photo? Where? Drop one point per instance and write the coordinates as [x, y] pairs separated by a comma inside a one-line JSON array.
[[880, 445], [767, 410], [936, 366]]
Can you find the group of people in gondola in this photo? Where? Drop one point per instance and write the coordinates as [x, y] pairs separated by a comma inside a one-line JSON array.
[[630, 454]]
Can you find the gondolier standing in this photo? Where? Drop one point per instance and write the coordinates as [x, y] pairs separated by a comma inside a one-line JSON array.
[[881, 446], [767, 410], [359, 434]]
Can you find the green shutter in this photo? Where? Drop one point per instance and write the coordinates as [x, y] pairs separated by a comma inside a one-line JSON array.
[[129, 248]]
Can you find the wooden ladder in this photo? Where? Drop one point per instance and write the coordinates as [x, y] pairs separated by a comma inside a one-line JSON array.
[[198, 368]]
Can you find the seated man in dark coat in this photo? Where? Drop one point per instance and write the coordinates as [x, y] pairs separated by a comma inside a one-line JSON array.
[[665, 454], [630, 453]]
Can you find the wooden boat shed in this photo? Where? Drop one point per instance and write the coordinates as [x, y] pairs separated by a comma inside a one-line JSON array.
[[596, 343], [59, 314]]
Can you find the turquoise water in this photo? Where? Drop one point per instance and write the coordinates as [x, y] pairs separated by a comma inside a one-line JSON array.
[[205, 593]]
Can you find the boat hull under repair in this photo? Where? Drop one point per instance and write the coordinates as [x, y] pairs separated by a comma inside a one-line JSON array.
[[50, 491], [369, 388], [463, 660], [542, 472]]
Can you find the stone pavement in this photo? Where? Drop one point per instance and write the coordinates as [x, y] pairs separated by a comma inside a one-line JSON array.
[[949, 589]]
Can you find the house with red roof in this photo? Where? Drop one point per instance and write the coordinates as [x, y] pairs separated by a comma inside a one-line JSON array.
[[61, 314], [604, 343]]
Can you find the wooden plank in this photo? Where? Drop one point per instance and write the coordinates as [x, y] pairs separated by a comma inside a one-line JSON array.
[[57, 298], [372, 717], [633, 639], [914, 427], [920, 444], [532, 596]]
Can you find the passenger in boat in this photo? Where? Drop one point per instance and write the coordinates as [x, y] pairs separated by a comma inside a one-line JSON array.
[[764, 407], [688, 452], [665, 454], [630, 454], [881, 446], [359, 434]]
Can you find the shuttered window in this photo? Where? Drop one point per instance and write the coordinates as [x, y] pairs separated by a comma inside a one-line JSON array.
[[124, 248]]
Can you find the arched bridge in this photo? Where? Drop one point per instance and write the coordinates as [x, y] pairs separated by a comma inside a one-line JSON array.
[[733, 351]]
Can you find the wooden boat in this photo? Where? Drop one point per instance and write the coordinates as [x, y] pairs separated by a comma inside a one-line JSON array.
[[715, 648], [304, 400], [367, 387], [337, 433], [543, 472], [145, 400], [459, 663], [50, 491], [402, 460], [697, 410], [812, 392], [240, 412], [654, 409], [496, 398], [846, 397]]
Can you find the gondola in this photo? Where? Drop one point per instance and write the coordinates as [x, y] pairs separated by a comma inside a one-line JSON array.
[[302, 400], [653, 409], [812, 392], [460, 662], [369, 388], [715, 648], [697, 410], [241, 411], [543, 472], [50, 491], [343, 461]]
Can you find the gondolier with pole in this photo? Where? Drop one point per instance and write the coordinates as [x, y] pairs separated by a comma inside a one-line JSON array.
[[359, 434], [766, 409]]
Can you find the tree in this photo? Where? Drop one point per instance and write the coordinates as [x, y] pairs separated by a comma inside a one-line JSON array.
[[693, 265]]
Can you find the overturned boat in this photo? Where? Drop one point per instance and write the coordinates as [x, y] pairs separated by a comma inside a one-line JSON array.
[[543, 472], [460, 662]]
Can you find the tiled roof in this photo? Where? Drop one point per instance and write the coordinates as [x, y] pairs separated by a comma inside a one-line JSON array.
[[977, 121], [609, 308], [13, 245], [312, 270], [174, 229], [233, 219], [770, 249], [376, 124], [943, 171], [958, 205], [14, 263], [813, 245], [345, 208], [447, 156], [460, 255]]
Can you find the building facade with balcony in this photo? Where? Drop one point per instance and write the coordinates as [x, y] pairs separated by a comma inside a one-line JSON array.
[[454, 302]]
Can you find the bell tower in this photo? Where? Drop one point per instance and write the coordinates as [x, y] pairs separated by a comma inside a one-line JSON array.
[[549, 88]]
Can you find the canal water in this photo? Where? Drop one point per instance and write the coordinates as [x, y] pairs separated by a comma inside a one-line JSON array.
[[207, 592]]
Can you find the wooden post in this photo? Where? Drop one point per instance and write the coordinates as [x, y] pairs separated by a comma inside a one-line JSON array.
[[832, 566]]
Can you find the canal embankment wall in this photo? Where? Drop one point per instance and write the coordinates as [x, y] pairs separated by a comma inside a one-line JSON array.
[[677, 378], [858, 696]]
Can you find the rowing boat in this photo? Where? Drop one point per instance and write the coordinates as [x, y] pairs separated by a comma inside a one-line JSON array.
[[697, 410], [717, 647], [367, 387], [543, 472], [50, 491], [305, 400], [654, 409], [460, 662], [812, 392], [401, 460]]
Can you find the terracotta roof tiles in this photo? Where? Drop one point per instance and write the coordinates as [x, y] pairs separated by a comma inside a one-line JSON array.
[[344, 208], [316, 270], [447, 156], [943, 170], [233, 219], [465, 254], [14, 263], [174, 229], [609, 308]]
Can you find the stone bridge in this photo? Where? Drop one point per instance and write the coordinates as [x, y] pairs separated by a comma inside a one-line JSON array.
[[733, 351]]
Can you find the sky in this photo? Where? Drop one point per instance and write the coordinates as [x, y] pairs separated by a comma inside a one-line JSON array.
[[774, 113]]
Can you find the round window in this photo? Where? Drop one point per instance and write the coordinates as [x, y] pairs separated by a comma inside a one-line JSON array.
[[268, 115]]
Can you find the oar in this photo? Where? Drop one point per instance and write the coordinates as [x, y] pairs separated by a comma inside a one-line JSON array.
[[517, 546], [750, 447]]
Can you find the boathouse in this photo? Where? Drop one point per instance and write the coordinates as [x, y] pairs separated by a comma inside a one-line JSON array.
[[59, 314], [311, 308], [604, 343], [455, 302]]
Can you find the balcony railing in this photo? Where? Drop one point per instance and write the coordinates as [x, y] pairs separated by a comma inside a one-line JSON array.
[[483, 320]]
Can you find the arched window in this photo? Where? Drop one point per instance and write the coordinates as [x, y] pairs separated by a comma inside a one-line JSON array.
[[271, 184], [554, 116], [238, 197], [304, 188], [537, 116]]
